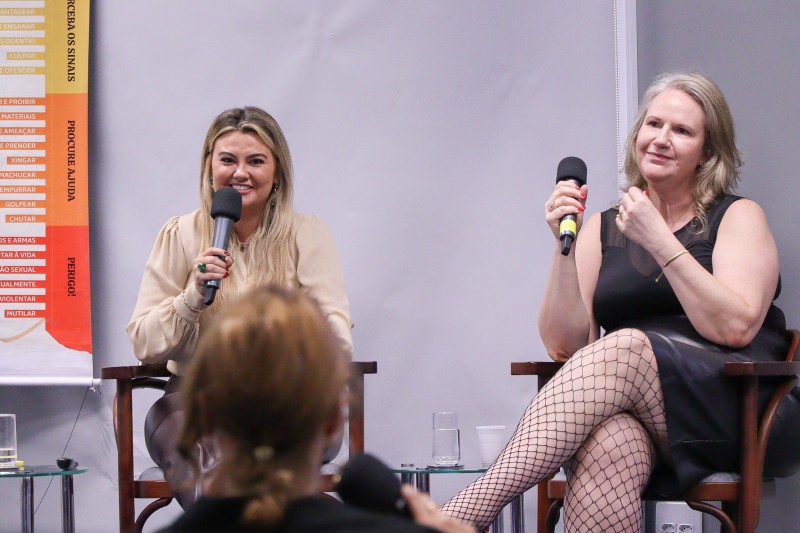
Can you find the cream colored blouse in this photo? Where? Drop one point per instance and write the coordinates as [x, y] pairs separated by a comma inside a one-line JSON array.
[[170, 313]]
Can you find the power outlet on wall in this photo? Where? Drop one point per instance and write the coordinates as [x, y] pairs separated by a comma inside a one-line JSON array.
[[671, 517]]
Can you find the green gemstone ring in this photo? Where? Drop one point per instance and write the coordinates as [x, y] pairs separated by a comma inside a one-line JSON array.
[[201, 267]]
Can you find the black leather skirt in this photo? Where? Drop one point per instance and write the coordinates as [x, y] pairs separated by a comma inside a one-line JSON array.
[[703, 406]]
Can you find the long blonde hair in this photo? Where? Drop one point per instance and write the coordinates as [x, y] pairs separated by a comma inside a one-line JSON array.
[[267, 251], [269, 377], [718, 172]]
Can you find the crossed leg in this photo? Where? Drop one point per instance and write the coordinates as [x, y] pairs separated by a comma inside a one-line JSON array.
[[607, 475], [615, 374]]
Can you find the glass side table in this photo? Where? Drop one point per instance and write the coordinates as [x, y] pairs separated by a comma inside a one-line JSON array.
[[420, 477], [27, 474]]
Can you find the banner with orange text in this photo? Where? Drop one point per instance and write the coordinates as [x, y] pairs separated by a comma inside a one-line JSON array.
[[45, 298]]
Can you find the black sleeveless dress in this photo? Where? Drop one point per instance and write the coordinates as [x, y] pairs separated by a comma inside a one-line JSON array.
[[702, 406]]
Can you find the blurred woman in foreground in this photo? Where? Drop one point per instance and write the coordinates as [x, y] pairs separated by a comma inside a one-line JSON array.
[[267, 382]]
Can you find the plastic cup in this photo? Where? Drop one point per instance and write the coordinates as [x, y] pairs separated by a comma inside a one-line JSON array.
[[491, 441]]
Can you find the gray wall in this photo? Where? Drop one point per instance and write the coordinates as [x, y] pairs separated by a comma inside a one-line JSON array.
[[750, 49], [426, 134]]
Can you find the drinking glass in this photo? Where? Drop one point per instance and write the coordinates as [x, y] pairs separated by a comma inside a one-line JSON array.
[[446, 439], [8, 441]]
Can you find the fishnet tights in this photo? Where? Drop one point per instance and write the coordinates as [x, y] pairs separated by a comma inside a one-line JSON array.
[[607, 475], [607, 387]]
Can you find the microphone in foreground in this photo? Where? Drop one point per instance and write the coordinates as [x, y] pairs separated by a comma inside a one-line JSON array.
[[368, 484], [226, 209], [573, 170]]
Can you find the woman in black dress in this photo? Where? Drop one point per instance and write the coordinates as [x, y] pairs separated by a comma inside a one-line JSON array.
[[680, 277]]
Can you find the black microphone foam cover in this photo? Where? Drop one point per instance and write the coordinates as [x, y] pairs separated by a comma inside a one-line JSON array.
[[227, 202], [226, 210], [571, 168], [367, 483]]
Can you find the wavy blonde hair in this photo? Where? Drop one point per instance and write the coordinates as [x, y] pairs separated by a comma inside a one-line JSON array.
[[718, 172], [267, 250], [269, 377]]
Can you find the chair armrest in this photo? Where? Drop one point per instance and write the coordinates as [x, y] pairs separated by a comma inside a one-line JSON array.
[[543, 370], [763, 368], [748, 368], [546, 369], [160, 370], [364, 367], [135, 371]]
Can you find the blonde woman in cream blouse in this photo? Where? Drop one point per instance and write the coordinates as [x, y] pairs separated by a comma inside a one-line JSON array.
[[244, 149]]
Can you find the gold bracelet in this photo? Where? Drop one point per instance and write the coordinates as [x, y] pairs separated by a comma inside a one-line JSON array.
[[674, 257], [670, 260], [193, 309]]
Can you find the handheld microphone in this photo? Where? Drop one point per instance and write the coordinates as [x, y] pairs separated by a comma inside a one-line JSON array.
[[226, 209], [368, 484], [573, 170]]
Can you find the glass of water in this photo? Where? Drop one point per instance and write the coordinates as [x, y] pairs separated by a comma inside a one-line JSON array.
[[446, 439], [8, 441]]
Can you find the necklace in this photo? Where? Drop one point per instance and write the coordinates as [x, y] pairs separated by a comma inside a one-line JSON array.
[[688, 207], [242, 244]]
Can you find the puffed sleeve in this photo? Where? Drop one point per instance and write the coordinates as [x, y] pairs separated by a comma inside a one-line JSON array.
[[164, 324], [320, 272]]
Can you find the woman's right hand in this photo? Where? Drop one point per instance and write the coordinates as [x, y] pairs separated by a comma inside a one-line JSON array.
[[567, 199], [212, 266]]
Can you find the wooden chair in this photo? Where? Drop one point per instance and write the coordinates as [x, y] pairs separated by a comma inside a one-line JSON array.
[[739, 492], [129, 378]]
